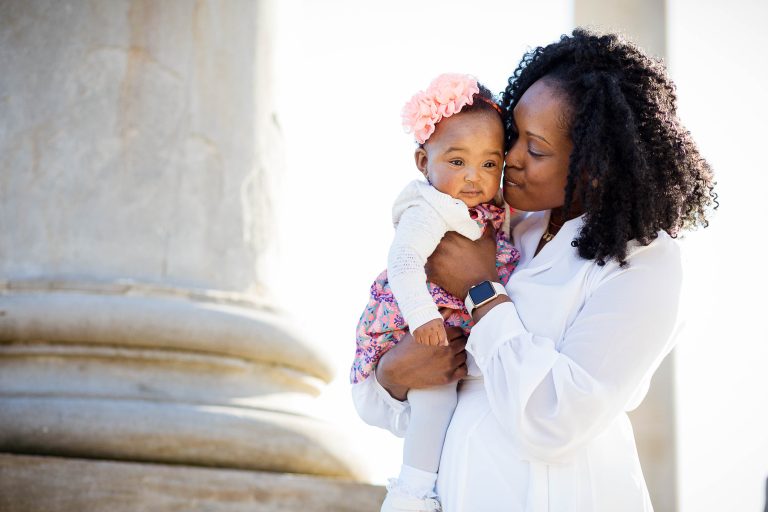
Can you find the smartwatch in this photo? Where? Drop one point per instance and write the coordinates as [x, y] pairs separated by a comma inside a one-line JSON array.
[[483, 293]]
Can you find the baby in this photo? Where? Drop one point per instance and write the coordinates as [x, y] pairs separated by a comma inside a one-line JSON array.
[[458, 126]]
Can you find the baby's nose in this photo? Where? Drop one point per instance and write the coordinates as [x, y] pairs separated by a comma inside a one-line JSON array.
[[471, 172]]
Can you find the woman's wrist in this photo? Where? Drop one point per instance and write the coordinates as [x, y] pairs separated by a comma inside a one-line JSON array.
[[385, 379], [483, 310], [477, 280]]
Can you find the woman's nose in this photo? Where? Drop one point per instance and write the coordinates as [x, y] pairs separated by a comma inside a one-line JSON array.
[[510, 162], [513, 158]]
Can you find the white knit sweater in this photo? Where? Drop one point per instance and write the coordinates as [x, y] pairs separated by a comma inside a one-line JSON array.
[[422, 215]]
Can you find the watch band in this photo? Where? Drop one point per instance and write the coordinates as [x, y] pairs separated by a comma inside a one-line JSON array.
[[483, 293]]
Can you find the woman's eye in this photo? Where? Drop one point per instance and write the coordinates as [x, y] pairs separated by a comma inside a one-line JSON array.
[[534, 153]]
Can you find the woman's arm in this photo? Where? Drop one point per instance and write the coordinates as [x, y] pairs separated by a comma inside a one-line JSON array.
[[379, 398], [458, 263], [553, 398]]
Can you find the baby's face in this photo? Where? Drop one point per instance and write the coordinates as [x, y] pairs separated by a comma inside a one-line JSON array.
[[464, 157]]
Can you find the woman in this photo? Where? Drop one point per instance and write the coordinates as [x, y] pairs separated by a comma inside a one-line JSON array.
[[597, 156]]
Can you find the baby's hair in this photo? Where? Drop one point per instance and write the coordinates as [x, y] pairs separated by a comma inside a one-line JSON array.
[[483, 101]]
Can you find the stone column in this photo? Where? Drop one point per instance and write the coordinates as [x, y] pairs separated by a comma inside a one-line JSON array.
[[644, 22], [135, 152]]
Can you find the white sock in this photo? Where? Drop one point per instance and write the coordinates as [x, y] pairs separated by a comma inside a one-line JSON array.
[[416, 482]]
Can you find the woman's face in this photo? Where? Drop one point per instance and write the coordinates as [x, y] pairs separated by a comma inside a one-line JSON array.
[[536, 166]]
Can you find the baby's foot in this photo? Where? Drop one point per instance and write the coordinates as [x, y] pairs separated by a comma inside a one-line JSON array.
[[431, 333], [399, 499]]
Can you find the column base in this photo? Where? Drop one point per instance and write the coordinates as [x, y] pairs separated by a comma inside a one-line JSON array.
[[54, 484]]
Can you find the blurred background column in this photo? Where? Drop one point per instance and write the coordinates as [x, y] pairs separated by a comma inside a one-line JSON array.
[[717, 57], [645, 23], [137, 142]]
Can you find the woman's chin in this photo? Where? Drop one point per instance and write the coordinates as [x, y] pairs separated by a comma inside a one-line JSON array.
[[513, 199]]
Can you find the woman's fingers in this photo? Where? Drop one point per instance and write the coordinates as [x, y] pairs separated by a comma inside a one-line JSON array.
[[490, 231], [459, 361], [456, 338], [457, 342], [460, 372], [411, 365]]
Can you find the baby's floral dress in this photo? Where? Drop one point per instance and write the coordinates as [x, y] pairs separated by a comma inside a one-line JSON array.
[[381, 325]]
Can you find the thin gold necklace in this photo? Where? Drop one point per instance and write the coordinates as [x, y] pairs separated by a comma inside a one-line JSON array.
[[547, 236]]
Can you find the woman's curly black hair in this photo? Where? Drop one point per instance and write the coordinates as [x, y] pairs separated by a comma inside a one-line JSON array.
[[635, 167]]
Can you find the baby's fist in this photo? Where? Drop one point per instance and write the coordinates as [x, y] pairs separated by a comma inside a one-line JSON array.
[[431, 333]]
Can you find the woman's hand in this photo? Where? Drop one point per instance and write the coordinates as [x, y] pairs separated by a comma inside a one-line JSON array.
[[410, 365], [458, 263]]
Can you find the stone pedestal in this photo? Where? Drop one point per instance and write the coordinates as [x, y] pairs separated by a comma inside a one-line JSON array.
[[96, 486], [136, 141]]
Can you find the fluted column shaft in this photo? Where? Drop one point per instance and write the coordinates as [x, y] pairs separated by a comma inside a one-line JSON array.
[[135, 153]]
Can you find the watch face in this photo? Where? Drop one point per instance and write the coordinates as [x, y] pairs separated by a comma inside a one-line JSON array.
[[482, 292]]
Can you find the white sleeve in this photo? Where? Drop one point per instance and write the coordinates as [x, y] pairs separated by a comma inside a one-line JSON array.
[[554, 400], [377, 407], [420, 228]]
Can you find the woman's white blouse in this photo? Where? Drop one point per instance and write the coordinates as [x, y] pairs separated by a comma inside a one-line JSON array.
[[544, 428]]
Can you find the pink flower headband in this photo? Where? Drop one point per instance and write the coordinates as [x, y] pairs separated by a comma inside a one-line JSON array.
[[445, 96]]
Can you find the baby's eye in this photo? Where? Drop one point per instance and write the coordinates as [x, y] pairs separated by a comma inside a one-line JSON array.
[[455, 161], [490, 164]]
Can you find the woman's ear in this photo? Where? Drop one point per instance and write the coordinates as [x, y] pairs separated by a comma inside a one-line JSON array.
[[420, 156]]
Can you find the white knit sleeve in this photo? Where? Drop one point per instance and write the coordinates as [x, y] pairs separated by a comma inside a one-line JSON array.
[[419, 230]]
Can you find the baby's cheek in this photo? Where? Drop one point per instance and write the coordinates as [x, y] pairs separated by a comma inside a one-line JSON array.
[[494, 181]]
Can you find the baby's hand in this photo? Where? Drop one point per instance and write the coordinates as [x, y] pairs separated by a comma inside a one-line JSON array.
[[431, 333]]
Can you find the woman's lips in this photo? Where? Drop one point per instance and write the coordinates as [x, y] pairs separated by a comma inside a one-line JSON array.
[[511, 183]]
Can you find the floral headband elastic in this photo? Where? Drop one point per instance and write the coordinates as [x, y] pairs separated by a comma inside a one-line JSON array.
[[445, 96]]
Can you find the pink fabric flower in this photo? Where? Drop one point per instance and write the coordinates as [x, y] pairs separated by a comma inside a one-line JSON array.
[[420, 116], [445, 96]]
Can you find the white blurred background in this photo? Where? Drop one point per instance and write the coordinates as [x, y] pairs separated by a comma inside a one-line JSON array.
[[344, 69]]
